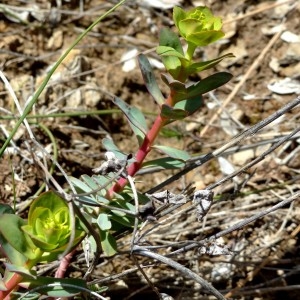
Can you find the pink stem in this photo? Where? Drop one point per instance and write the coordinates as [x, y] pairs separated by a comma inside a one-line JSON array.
[[64, 263], [141, 153], [11, 285], [139, 157]]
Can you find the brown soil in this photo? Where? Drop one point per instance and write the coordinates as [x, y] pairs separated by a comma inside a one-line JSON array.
[[266, 260]]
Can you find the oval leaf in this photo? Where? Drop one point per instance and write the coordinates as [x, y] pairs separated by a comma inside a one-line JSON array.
[[190, 105], [208, 84], [170, 39], [150, 80], [108, 243], [20, 270], [123, 220], [164, 163], [109, 145], [90, 182], [81, 187], [104, 221], [205, 37], [179, 89], [169, 112], [169, 51], [14, 256], [173, 65], [135, 117], [173, 152], [11, 232], [6, 209], [56, 287], [201, 66]]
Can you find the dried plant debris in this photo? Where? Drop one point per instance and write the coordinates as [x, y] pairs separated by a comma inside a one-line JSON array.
[[202, 200], [257, 261], [168, 197]]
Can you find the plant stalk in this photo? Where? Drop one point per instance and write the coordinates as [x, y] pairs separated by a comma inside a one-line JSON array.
[[142, 152], [11, 285]]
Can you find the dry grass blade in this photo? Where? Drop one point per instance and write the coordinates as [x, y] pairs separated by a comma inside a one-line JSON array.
[[254, 219], [235, 141], [179, 267], [254, 65]]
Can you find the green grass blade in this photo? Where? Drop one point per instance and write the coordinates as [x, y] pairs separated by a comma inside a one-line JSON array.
[[44, 83]]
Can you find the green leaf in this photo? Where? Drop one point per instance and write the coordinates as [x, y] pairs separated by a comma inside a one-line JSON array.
[[6, 209], [10, 230], [56, 287], [49, 200], [173, 65], [171, 113], [164, 163], [208, 84], [198, 26], [190, 106], [89, 201], [89, 181], [123, 203], [178, 15], [124, 220], [150, 80], [99, 179], [30, 296], [80, 186], [92, 184], [109, 145], [190, 100], [178, 88], [14, 256], [108, 243], [135, 117], [201, 66], [204, 38], [172, 59], [20, 270], [169, 51], [49, 226], [171, 132], [173, 152], [170, 39], [104, 221], [122, 217]]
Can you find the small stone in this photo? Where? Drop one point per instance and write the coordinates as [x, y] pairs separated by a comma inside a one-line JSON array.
[[240, 158], [75, 99], [91, 95], [291, 55], [292, 71], [274, 64], [290, 37], [56, 41]]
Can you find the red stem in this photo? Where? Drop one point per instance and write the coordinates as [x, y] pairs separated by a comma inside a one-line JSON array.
[[11, 285], [141, 153], [64, 263]]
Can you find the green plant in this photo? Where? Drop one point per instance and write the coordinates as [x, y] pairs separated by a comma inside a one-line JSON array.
[[103, 201], [111, 192], [184, 98], [42, 238]]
